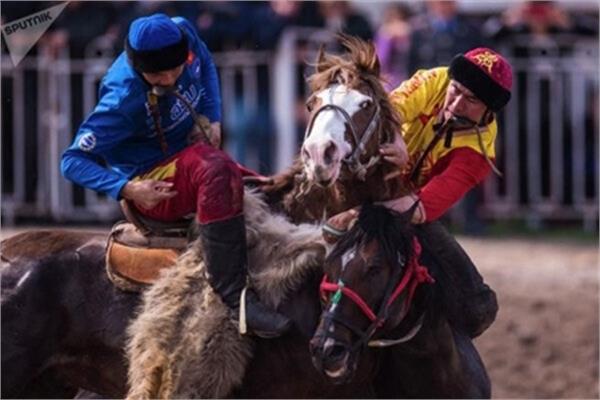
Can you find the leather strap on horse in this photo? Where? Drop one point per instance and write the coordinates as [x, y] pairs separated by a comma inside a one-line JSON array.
[[132, 216], [147, 226], [352, 161]]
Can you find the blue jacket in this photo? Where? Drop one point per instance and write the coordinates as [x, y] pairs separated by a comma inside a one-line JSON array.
[[120, 131]]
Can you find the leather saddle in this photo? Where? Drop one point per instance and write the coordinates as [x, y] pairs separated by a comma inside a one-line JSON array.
[[140, 248], [150, 227]]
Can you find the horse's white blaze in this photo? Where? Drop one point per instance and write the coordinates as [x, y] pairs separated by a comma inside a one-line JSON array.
[[348, 256], [23, 278], [329, 126], [328, 342]]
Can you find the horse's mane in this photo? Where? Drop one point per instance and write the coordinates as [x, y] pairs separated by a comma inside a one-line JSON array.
[[392, 230], [359, 64]]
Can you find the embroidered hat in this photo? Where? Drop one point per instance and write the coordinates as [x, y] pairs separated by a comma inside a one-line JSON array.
[[155, 43], [485, 73]]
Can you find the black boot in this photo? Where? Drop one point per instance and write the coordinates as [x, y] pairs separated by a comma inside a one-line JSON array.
[[224, 245], [470, 304]]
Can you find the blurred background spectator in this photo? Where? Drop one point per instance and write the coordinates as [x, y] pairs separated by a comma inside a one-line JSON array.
[[438, 34], [69, 33], [251, 128], [273, 17], [340, 16], [392, 41], [223, 25], [541, 19]]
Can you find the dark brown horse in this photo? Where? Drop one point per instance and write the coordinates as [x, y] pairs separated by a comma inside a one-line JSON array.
[[351, 116], [60, 313], [378, 294]]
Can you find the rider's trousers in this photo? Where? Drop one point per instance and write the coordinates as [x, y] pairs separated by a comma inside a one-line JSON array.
[[207, 181]]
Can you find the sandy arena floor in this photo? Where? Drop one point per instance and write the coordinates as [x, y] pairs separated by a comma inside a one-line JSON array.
[[544, 343]]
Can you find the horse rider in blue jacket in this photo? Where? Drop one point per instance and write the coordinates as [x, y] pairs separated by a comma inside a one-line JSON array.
[[140, 143]]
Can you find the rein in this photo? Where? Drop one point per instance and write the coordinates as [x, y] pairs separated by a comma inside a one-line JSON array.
[[152, 98], [155, 112], [415, 275], [352, 161], [446, 130]]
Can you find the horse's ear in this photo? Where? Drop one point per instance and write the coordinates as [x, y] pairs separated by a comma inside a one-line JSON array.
[[321, 59]]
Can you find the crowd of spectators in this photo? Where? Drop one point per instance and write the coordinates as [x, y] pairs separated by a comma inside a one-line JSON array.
[[223, 25], [409, 36]]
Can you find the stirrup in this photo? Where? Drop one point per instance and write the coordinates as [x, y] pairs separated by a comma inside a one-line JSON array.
[[243, 327]]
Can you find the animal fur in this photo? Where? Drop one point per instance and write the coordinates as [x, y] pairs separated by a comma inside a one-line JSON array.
[[184, 342]]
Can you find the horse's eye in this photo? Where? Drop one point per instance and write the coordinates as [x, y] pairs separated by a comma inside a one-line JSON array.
[[365, 104], [373, 269]]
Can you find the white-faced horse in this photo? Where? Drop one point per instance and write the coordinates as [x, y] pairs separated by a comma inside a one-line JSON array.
[[350, 117]]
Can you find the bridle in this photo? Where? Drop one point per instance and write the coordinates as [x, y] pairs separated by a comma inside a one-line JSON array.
[[352, 161], [415, 275]]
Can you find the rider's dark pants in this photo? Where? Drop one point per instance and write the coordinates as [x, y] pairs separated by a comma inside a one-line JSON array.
[[470, 304]]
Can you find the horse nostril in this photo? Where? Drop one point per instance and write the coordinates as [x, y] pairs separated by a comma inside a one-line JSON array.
[[330, 151], [335, 352]]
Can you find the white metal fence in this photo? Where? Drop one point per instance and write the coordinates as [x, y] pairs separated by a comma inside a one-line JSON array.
[[548, 147], [549, 134]]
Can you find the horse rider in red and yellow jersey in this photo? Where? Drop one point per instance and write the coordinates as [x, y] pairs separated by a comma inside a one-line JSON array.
[[449, 131]]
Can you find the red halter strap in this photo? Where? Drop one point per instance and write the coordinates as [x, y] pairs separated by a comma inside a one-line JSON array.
[[334, 287], [413, 277]]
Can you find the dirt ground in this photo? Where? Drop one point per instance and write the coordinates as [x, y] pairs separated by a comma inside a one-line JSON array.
[[544, 343]]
